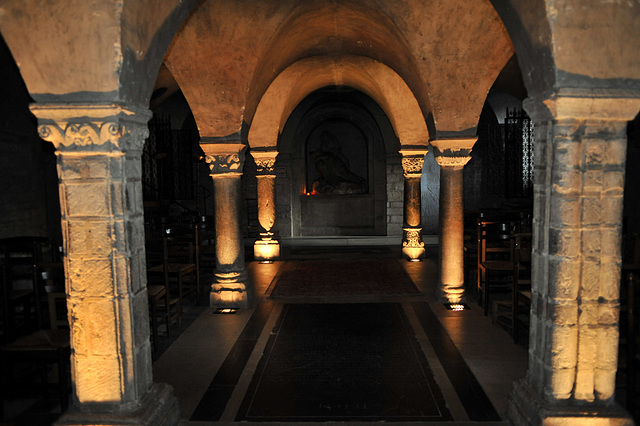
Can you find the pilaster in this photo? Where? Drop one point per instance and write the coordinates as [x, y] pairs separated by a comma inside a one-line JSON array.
[[230, 284], [98, 149], [267, 248], [412, 162], [452, 155], [578, 194]]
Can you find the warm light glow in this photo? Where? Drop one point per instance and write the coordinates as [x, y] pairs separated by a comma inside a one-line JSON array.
[[227, 296], [456, 306], [266, 250], [413, 246], [226, 311]]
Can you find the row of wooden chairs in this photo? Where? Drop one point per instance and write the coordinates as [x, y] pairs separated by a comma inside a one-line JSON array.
[[629, 353], [32, 282], [173, 272], [504, 266]]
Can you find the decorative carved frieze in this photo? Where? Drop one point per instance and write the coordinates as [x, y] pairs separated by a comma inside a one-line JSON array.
[[92, 127]]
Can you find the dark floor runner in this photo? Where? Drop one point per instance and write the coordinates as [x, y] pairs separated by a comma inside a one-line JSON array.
[[362, 277], [340, 362], [333, 252]]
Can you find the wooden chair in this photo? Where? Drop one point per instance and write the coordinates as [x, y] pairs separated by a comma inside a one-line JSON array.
[[180, 261], [206, 244], [162, 305], [162, 272], [521, 284], [41, 349], [21, 310], [50, 276], [494, 258]]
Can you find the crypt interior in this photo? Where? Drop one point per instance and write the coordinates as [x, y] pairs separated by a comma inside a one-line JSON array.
[[221, 211]]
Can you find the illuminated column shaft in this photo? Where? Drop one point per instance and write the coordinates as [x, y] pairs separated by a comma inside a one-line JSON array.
[[226, 161], [451, 230], [578, 193], [412, 201], [412, 162], [229, 249], [266, 202], [98, 152], [452, 154], [266, 248]]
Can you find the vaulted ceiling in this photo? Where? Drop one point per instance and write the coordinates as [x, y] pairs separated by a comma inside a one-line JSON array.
[[447, 53]]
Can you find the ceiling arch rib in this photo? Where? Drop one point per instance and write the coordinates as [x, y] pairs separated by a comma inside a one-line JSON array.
[[369, 76]]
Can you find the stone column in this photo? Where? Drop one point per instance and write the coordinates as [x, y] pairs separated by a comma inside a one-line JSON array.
[[230, 286], [580, 155], [267, 248], [412, 244], [452, 155], [98, 150]]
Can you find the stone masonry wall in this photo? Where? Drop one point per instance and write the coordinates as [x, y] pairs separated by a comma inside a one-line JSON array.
[[395, 196]]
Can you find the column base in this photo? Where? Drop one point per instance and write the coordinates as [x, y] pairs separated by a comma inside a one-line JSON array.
[[413, 246], [229, 296], [160, 407], [526, 408], [448, 293], [266, 250]]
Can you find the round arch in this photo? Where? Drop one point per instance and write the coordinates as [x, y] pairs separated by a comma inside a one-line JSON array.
[[367, 75]]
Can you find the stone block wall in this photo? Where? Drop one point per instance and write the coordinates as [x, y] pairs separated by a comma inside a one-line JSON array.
[[283, 195], [395, 196]]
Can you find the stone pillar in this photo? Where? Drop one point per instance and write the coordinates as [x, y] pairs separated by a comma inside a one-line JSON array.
[[98, 150], [230, 286], [452, 155], [267, 248], [578, 193], [412, 244]]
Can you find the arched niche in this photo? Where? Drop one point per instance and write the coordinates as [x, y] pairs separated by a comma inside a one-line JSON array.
[[345, 127]]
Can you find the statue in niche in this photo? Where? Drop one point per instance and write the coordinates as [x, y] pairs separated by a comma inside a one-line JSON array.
[[334, 176]]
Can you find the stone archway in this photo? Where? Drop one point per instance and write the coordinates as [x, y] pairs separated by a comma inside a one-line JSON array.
[[338, 117]]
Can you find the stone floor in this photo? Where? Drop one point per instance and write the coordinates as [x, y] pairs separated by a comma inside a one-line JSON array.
[[401, 359], [231, 368]]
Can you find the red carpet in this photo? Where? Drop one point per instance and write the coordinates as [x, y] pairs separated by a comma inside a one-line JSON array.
[[353, 277]]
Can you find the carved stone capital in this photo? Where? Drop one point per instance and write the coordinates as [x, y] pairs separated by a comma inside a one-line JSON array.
[[445, 161], [454, 152], [92, 128], [412, 162], [224, 159], [265, 162]]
